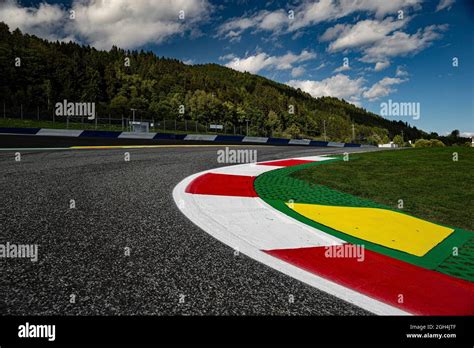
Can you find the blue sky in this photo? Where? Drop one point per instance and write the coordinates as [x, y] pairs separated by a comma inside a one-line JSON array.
[[401, 50]]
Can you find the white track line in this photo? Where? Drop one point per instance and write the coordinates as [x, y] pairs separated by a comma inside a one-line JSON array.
[[242, 226]]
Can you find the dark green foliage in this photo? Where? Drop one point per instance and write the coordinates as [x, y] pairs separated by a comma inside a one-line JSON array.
[[53, 71]]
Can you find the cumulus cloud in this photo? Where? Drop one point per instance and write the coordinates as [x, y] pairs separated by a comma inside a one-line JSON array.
[[379, 66], [361, 34], [252, 64], [45, 20], [400, 72], [444, 4], [380, 40], [260, 61], [402, 44], [340, 86], [129, 24], [297, 72], [342, 68], [352, 90], [313, 12], [102, 24], [333, 32], [382, 88], [309, 13], [227, 56], [263, 20]]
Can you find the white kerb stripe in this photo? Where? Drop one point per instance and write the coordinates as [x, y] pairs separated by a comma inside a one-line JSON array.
[[251, 220], [252, 169], [315, 158]]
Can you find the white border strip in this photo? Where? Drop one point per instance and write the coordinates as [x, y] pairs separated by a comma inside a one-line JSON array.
[[254, 140], [136, 135], [299, 141], [59, 132], [333, 144], [202, 137]]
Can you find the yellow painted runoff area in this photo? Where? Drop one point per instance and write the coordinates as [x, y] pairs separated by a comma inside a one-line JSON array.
[[380, 226]]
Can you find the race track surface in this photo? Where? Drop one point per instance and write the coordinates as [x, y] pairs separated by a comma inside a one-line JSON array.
[[173, 267]]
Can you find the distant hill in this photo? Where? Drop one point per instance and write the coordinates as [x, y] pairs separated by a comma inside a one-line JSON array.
[[52, 71]]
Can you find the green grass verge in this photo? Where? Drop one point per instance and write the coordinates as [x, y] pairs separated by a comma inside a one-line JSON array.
[[279, 186], [431, 185]]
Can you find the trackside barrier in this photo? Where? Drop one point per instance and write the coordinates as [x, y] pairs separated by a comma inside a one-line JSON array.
[[171, 136]]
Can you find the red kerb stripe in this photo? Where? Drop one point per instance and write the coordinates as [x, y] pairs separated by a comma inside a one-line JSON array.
[[421, 291], [223, 185]]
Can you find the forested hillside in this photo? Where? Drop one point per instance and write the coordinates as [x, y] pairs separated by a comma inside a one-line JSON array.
[[52, 71]]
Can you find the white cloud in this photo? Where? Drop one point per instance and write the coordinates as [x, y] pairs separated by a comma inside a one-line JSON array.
[[273, 20], [297, 72], [102, 24], [380, 8], [233, 28], [322, 65], [382, 88], [352, 90], [339, 86], [379, 66], [260, 61], [444, 4], [342, 68], [465, 134], [402, 44], [227, 56], [252, 64], [362, 33], [263, 20], [333, 32], [286, 61], [130, 24], [309, 13], [380, 40], [44, 21], [313, 12], [401, 71]]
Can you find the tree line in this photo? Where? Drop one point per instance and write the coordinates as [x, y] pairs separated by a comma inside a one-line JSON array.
[[118, 80]]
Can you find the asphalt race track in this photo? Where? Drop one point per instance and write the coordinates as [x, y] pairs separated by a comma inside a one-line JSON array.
[[173, 267]]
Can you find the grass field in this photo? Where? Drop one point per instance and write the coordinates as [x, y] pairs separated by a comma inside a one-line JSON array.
[[431, 185]]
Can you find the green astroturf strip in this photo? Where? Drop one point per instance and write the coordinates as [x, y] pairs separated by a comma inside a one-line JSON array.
[[461, 266], [277, 187]]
